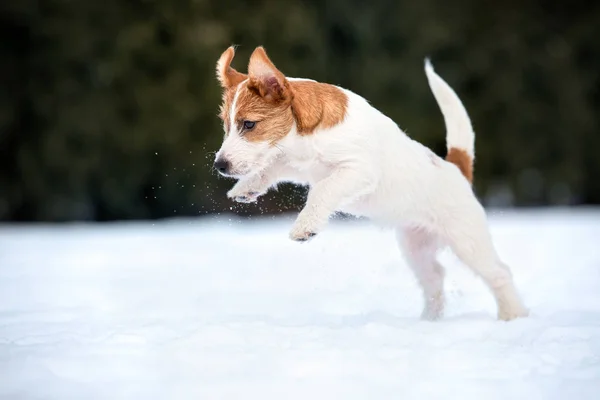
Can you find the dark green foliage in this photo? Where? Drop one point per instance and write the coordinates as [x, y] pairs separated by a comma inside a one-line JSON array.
[[108, 109]]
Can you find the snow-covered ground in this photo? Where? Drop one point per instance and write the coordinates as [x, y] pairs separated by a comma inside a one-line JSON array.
[[218, 309]]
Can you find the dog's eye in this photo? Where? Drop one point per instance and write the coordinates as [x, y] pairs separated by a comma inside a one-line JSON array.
[[249, 125]]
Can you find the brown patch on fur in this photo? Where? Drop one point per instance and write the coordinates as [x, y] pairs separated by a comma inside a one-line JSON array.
[[265, 79], [317, 105], [263, 100], [273, 102], [273, 118], [462, 160], [229, 79], [227, 76]]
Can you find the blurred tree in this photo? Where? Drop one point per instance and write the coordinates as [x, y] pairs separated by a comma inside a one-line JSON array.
[[108, 110]]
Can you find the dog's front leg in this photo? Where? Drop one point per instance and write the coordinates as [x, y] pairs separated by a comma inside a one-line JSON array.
[[343, 185], [247, 190]]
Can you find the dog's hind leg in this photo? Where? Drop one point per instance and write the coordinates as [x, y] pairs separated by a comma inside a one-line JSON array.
[[471, 241], [419, 248]]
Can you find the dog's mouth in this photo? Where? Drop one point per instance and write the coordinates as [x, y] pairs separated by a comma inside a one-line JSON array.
[[241, 169], [237, 172], [233, 175]]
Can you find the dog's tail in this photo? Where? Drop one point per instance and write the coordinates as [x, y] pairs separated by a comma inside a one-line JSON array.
[[460, 138]]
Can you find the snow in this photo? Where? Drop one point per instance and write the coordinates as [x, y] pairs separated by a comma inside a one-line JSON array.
[[230, 309]]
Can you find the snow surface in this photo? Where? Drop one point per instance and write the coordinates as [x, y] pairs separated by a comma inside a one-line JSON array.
[[223, 309]]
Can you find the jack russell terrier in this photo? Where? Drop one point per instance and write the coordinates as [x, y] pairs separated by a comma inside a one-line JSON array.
[[358, 161]]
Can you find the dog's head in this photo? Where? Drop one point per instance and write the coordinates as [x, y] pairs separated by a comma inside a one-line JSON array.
[[256, 114]]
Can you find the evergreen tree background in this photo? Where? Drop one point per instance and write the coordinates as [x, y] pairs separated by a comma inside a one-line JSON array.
[[108, 110]]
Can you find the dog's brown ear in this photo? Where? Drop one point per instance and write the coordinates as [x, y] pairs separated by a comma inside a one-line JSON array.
[[226, 75], [265, 78]]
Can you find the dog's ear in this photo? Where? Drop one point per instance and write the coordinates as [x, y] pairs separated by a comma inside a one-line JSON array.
[[265, 78], [226, 75]]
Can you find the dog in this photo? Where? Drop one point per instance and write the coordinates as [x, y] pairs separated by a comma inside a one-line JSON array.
[[356, 160]]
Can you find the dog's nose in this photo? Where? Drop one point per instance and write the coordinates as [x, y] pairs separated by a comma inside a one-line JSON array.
[[221, 165]]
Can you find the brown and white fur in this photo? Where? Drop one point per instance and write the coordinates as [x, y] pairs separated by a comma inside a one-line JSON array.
[[357, 160]]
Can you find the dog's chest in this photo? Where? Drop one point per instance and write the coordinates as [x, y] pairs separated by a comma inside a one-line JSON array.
[[310, 169]]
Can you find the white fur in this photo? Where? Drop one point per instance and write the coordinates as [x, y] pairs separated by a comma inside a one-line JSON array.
[[233, 113], [368, 166], [458, 124]]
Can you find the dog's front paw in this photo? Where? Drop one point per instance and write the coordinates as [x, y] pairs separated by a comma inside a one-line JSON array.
[[505, 314], [243, 196], [302, 236], [304, 229], [248, 197]]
